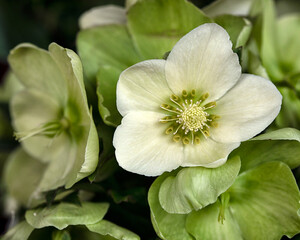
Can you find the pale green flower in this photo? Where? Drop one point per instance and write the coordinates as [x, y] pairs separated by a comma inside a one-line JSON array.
[[51, 115], [192, 109]]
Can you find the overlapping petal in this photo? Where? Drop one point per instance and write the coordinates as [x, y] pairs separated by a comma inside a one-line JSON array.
[[142, 146], [208, 153], [203, 60], [143, 87], [246, 110]]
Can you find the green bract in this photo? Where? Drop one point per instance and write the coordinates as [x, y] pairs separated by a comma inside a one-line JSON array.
[[51, 115], [261, 204], [195, 188]]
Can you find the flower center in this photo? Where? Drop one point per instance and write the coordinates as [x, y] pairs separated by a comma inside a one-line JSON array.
[[193, 118], [50, 129], [188, 117]]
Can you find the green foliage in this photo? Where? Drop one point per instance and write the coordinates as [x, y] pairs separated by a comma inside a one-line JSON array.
[[64, 214], [280, 145], [261, 204]]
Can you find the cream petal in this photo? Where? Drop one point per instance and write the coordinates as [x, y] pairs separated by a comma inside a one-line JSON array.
[[203, 60], [142, 146], [246, 110], [104, 15], [142, 87], [208, 153]]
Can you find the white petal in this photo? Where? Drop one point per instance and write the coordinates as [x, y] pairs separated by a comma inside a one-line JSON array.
[[232, 7], [143, 147], [246, 110], [142, 87], [203, 60], [104, 15], [208, 153]]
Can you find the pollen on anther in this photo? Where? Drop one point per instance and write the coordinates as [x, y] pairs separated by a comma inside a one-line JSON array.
[[176, 138], [169, 130], [186, 140], [184, 93]]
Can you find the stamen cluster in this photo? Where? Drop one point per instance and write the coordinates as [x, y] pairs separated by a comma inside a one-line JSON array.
[[188, 117]]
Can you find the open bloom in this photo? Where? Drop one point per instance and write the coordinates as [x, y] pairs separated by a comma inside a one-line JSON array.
[[51, 115], [192, 109]]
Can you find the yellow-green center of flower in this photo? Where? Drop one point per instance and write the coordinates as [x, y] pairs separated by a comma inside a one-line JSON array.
[[50, 129], [193, 118], [188, 117]]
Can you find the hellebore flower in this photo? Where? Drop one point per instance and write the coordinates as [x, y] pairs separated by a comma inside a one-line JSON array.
[[51, 115], [192, 109]]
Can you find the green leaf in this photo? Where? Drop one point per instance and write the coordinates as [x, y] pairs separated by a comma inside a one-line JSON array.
[[22, 175], [238, 28], [195, 188], [204, 224], [107, 78], [265, 202], [110, 229], [106, 45], [280, 134], [280, 145], [263, 205], [65, 214], [19, 232], [167, 226], [155, 25], [289, 115]]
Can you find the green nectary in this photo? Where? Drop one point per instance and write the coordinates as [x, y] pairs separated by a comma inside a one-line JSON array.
[[188, 117]]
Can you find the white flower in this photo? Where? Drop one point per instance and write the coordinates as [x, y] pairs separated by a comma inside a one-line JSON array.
[[192, 109]]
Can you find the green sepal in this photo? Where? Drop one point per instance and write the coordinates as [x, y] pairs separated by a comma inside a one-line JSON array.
[[263, 204], [195, 188], [166, 225]]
